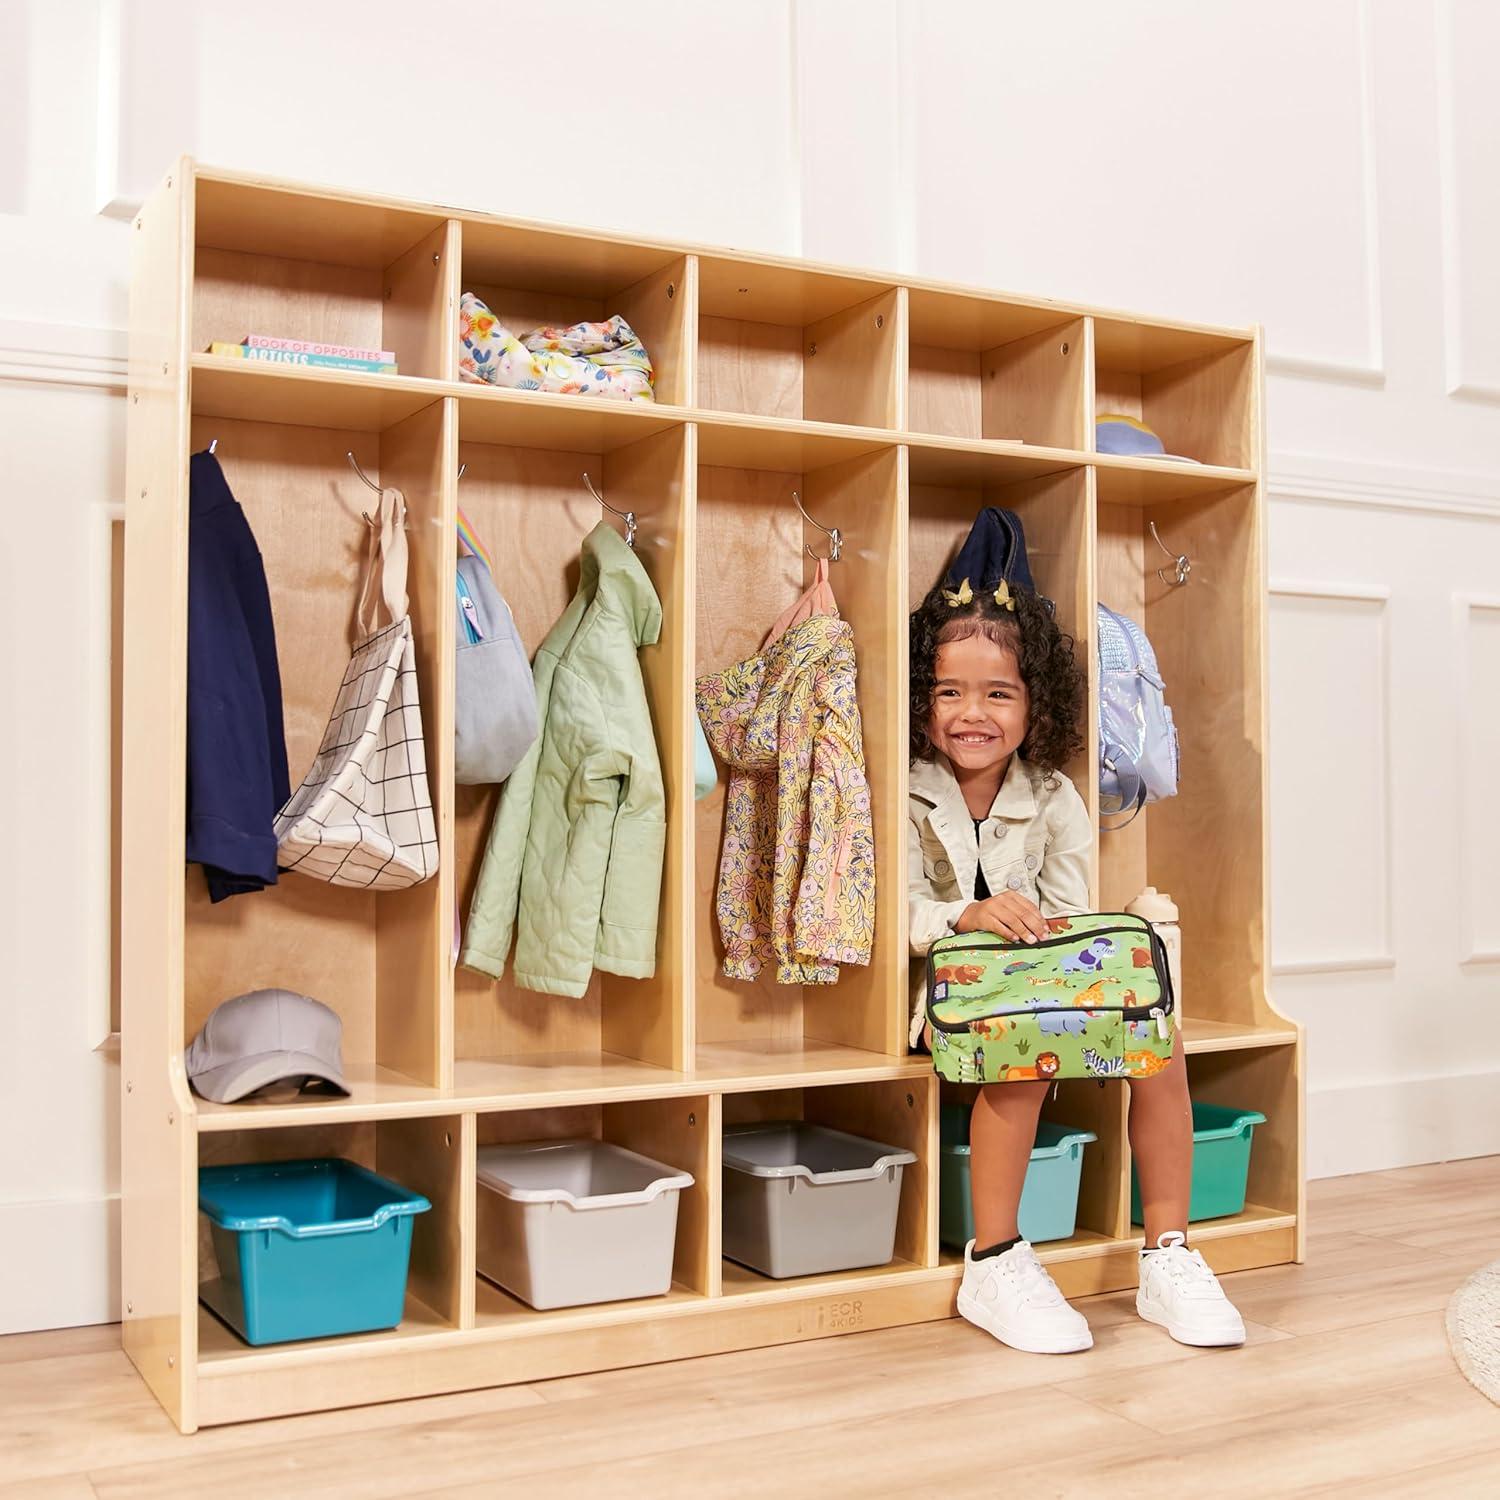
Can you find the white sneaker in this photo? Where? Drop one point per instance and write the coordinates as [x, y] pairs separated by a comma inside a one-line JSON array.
[[1012, 1297], [1181, 1294]]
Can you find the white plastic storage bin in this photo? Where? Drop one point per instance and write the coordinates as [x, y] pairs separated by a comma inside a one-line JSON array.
[[563, 1223], [801, 1200]]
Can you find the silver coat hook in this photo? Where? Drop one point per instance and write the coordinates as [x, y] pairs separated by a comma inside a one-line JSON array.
[[462, 470], [628, 516], [1181, 566], [834, 535], [364, 478], [214, 444]]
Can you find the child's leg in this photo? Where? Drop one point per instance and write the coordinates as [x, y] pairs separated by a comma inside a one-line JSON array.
[[1002, 1131], [1178, 1289], [1161, 1141]]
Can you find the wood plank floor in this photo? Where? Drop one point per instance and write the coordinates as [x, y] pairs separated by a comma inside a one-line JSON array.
[[1346, 1387]]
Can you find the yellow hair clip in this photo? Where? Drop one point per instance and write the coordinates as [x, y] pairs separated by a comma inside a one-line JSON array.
[[965, 595], [1003, 597]]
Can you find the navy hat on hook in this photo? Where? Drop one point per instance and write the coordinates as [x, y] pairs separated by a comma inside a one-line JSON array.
[[994, 553]]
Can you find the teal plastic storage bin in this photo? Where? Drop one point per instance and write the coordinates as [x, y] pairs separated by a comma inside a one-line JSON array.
[[1049, 1199], [307, 1249], [1221, 1162]]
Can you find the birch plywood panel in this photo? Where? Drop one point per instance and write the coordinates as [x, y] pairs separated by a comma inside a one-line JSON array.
[[1207, 844], [237, 294], [750, 367], [158, 1283], [305, 507], [750, 567], [532, 511], [647, 1018]]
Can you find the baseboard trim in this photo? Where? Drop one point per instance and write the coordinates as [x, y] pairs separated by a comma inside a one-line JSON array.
[[1402, 1122], [62, 1263]]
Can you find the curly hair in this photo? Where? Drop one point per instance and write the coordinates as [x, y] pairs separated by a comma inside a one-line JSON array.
[[1053, 678]]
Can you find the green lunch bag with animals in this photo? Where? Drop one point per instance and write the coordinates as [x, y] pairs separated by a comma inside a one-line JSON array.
[[1094, 1000]]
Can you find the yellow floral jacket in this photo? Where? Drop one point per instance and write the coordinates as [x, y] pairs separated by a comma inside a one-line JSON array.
[[797, 872]]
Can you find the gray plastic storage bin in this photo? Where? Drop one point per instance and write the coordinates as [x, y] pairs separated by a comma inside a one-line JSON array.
[[801, 1199], [562, 1223]]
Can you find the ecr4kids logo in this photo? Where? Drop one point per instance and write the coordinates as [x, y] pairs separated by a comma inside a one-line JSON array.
[[840, 1317]]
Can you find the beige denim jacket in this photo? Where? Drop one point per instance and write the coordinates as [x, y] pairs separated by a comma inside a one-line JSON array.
[[1036, 841]]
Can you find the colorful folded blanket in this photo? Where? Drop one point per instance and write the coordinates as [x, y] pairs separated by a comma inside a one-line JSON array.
[[588, 359]]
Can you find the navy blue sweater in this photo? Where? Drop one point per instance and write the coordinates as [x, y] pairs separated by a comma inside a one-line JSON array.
[[236, 746]]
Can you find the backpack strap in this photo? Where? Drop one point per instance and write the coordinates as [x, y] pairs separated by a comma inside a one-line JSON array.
[[1140, 803], [384, 581], [470, 543]]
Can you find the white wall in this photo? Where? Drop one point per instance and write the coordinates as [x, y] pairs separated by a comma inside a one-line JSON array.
[[1323, 169], [1327, 170]]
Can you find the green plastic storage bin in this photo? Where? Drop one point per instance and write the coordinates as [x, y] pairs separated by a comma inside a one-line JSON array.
[[1221, 1162], [1049, 1199], [307, 1249]]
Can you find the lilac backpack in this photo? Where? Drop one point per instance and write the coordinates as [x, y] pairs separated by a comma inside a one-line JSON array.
[[1138, 755]]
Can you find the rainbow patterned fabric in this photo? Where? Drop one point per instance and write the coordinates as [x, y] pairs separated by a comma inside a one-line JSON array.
[[606, 359], [469, 544]]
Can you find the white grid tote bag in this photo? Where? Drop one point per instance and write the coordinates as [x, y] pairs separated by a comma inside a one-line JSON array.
[[363, 814]]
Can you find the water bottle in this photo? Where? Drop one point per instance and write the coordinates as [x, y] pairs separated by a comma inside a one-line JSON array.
[[1160, 911]]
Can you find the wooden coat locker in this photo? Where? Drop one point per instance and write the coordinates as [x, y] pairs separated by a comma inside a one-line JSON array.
[[895, 408]]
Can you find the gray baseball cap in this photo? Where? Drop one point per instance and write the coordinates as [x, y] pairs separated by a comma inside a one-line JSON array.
[[265, 1037]]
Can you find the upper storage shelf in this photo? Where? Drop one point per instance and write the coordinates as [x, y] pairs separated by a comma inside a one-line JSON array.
[[783, 341], [980, 367], [291, 265], [532, 277], [1194, 388], [750, 346]]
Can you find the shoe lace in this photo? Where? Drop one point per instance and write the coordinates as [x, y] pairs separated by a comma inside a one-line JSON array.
[[1030, 1277], [1188, 1270]]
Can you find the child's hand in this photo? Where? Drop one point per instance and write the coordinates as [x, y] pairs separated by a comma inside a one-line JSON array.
[[1009, 915]]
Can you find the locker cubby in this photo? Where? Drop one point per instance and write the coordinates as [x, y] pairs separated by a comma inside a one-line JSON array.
[[1203, 845], [680, 1132], [532, 509], [531, 277], [293, 265], [779, 341], [1104, 1190], [374, 957], [1265, 1079], [425, 1155], [900, 1112], [1055, 511], [1194, 388], [751, 565], [979, 367]]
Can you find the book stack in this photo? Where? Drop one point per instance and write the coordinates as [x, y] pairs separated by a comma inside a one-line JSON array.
[[308, 352]]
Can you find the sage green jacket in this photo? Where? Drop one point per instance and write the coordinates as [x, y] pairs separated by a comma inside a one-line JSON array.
[[573, 864]]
